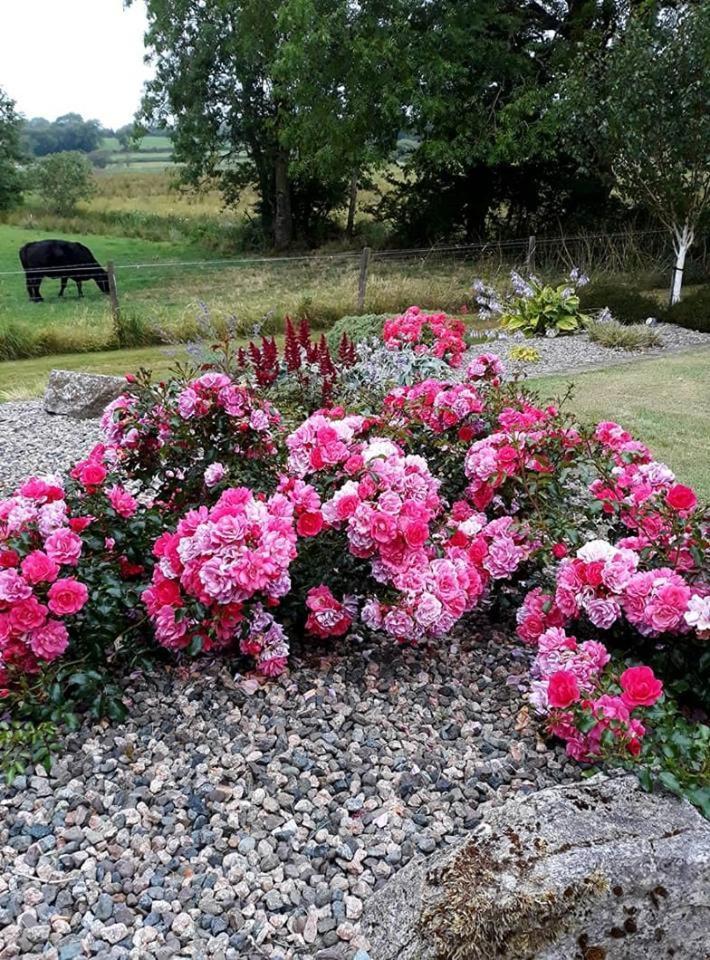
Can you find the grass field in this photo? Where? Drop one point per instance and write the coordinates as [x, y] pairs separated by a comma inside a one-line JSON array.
[[665, 402], [167, 285], [152, 153]]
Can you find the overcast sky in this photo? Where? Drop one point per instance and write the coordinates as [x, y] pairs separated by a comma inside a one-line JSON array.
[[81, 56]]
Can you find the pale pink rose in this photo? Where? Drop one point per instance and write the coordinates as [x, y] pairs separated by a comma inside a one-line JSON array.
[[214, 474], [602, 613], [63, 546]]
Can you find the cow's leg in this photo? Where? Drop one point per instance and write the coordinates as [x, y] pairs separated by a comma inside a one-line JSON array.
[[63, 286], [33, 283], [78, 288]]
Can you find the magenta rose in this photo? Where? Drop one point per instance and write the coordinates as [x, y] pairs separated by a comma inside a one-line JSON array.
[[38, 567], [640, 687], [562, 689]]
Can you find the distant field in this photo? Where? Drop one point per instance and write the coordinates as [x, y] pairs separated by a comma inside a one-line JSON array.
[[153, 153]]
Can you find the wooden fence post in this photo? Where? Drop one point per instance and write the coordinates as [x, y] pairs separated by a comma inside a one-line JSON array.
[[113, 293], [362, 280], [530, 258]]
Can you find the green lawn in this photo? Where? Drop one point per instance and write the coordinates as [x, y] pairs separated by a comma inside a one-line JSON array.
[[664, 402], [21, 379]]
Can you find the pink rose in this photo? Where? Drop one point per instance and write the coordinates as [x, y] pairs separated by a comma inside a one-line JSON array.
[[214, 474], [602, 613], [562, 689], [50, 641], [38, 567], [27, 615], [13, 587], [67, 596], [63, 546], [122, 502], [681, 498], [640, 687]]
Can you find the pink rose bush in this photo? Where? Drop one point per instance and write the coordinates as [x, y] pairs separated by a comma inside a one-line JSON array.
[[40, 593], [433, 333], [220, 570], [586, 704], [206, 522], [179, 441]]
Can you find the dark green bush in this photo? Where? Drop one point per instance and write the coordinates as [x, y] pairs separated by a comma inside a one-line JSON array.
[[627, 305], [357, 328], [693, 311]]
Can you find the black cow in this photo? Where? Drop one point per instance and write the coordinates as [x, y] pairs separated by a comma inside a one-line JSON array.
[[62, 259]]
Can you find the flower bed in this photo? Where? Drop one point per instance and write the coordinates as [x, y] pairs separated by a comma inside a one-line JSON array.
[[210, 520]]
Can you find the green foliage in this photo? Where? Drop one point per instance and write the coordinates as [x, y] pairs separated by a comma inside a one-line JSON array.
[[624, 301], [676, 754], [547, 308], [641, 112], [357, 328], [693, 311], [24, 744], [67, 133], [62, 179], [11, 154], [617, 335]]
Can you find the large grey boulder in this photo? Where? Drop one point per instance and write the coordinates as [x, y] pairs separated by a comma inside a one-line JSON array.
[[593, 871], [80, 395]]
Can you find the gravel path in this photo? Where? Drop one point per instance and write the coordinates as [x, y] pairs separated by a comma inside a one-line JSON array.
[[232, 820], [576, 354], [32, 441]]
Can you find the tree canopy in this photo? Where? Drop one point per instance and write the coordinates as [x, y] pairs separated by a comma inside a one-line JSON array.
[[11, 154], [304, 99], [68, 132]]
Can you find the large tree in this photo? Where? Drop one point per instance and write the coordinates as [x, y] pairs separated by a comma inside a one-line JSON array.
[[265, 93], [11, 154], [644, 110], [490, 157]]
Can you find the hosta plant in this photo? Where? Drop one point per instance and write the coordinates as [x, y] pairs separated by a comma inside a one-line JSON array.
[[532, 307]]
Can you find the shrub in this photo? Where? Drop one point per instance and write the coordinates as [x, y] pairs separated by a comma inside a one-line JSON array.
[[612, 334], [532, 307], [356, 328], [524, 355], [62, 179], [624, 302], [693, 311], [241, 528]]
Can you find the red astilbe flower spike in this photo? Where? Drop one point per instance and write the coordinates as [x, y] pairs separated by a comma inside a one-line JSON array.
[[304, 333], [292, 348], [346, 351]]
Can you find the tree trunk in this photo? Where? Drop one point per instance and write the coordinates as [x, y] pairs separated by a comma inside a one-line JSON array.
[[683, 239], [283, 221], [352, 204]]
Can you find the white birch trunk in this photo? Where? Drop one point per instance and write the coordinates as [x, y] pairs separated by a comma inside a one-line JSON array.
[[683, 241]]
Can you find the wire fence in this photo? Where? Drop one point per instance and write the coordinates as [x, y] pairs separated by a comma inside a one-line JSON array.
[[170, 295]]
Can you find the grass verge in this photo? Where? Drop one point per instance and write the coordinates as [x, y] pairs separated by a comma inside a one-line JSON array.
[[665, 402]]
